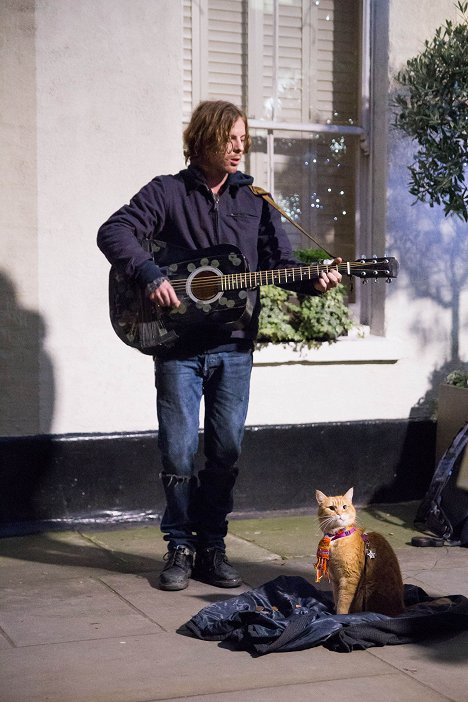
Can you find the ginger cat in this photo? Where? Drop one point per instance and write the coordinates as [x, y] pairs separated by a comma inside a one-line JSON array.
[[362, 567]]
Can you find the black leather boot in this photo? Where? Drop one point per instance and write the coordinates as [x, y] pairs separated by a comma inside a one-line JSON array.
[[213, 567], [178, 569]]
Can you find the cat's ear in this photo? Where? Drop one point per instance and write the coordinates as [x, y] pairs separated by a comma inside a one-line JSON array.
[[349, 494], [320, 496]]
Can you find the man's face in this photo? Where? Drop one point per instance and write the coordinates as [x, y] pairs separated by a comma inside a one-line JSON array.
[[228, 162]]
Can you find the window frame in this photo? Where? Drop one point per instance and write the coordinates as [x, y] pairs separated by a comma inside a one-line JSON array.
[[195, 15]]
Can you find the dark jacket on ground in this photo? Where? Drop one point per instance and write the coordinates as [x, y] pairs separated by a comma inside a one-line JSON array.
[[181, 210], [290, 614]]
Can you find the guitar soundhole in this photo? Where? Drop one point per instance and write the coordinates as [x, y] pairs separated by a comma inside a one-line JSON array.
[[205, 285]]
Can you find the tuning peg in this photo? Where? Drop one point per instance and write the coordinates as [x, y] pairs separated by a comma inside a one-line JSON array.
[[388, 280], [363, 281]]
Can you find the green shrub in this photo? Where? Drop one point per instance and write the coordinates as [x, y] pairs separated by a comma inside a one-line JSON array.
[[277, 316], [287, 317], [325, 318]]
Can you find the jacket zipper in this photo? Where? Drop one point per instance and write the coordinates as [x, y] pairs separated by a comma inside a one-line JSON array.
[[216, 214]]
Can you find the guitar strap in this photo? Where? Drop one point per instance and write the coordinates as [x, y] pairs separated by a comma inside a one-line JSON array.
[[266, 196]]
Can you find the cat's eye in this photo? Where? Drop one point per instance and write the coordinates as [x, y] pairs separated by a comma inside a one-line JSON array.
[[345, 506], [332, 507]]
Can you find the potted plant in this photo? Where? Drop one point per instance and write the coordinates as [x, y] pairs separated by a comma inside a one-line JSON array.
[[452, 410]]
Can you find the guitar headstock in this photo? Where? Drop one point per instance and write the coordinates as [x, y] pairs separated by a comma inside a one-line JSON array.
[[373, 268]]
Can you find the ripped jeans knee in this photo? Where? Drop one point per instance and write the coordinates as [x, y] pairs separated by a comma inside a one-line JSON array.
[[172, 479]]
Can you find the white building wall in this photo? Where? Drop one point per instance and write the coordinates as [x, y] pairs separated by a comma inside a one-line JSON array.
[[93, 110], [108, 97]]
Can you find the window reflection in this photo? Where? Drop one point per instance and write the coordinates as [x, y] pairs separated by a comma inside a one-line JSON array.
[[314, 182]]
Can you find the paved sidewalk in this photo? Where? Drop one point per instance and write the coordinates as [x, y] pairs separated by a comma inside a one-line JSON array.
[[82, 620]]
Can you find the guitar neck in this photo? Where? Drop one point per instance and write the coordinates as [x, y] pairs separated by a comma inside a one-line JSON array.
[[372, 268], [277, 276]]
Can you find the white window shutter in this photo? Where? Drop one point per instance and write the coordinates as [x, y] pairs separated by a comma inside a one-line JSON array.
[[229, 53], [337, 62], [227, 34], [188, 60]]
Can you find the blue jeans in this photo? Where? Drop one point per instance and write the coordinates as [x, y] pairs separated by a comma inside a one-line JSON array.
[[197, 505]]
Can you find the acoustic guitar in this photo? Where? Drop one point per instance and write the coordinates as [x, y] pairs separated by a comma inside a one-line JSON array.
[[214, 287]]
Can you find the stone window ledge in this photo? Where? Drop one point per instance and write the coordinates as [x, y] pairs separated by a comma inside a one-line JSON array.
[[358, 347]]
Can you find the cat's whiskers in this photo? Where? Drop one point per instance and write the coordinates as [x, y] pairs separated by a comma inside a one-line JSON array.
[[332, 524], [328, 523]]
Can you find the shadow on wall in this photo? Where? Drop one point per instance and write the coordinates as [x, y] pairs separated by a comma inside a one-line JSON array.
[[26, 404], [433, 251]]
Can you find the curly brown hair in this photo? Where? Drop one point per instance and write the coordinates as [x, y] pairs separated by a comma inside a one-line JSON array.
[[209, 129]]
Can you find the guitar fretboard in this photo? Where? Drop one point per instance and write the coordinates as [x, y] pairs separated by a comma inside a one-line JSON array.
[[239, 281]]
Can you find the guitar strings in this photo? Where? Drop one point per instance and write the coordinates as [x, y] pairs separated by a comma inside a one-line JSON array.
[[275, 274]]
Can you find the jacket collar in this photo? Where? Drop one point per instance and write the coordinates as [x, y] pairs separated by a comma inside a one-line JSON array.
[[195, 179]]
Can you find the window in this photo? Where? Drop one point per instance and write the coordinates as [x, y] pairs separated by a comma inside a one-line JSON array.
[[296, 67]]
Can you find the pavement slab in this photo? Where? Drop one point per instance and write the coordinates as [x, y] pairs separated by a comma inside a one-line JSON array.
[[389, 687], [51, 556], [442, 666], [68, 610], [169, 609], [153, 667]]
